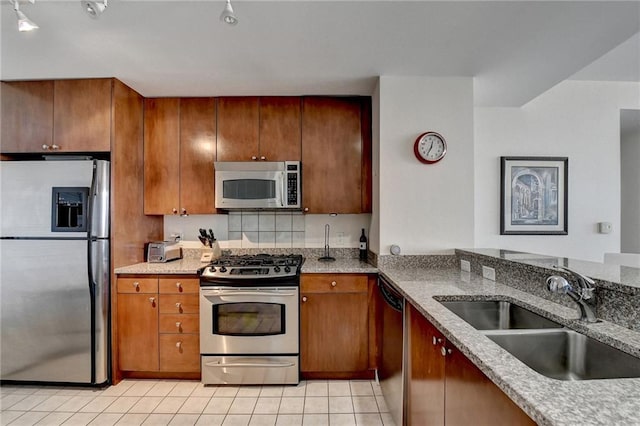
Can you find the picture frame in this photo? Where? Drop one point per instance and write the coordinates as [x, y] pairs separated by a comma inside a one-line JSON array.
[[534, 195]]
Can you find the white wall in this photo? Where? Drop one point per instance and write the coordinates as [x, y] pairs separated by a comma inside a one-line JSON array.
[[630, 203], [576, 119], [424, 208]]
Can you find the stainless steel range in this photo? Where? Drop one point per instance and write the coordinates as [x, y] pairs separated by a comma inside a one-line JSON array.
[[249, 320]]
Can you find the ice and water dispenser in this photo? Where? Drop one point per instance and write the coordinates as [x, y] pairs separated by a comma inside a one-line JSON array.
[[69, 209]]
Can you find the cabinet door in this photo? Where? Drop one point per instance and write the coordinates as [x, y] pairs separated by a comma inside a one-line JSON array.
[[82, 115], [180, 352], [27, 116], [331, 155], [280, 128], [197, 154], [138, 332], [426, 372], [161, 156], [238, 129], [334, 332], [472, 398]]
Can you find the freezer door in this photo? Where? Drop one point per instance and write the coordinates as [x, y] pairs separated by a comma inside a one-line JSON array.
[[45, 308], [26, 194]]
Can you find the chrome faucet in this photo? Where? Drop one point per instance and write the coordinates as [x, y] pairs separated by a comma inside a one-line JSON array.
[[580, 294]]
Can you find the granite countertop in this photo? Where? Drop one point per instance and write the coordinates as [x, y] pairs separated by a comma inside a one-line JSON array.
[[548, 401], [191, 266]]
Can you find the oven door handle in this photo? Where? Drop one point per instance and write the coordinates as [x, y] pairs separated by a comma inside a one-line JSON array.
[[249, 364], [228, 293]]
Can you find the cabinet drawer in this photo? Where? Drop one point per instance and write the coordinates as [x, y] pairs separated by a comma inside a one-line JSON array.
[[339, 283], [179, 304], [180, 352], [137, 285], [179, 323], [179, 285]]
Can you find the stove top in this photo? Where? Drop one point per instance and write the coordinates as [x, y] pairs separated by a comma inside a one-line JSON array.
[[255, 267]]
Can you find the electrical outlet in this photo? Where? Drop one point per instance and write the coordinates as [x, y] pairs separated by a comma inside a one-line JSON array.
[[488, 273], [465, 265]]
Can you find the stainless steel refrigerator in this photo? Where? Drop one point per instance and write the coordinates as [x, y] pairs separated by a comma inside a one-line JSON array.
[[54, 271]]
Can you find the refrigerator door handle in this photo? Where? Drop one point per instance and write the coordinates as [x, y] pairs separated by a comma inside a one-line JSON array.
[[98, 286], [99, 200]]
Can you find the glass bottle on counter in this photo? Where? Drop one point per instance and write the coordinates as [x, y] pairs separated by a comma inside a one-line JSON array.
[[363, 247]]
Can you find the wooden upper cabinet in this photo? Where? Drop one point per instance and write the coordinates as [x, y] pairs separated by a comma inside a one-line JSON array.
[[161, 156], [179, 151], [27, 116], [82, 115], [238, 128], [332, 155], [259, 129], [280, 128], [197, 154]]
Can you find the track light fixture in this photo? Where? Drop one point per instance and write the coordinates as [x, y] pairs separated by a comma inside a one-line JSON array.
[[93, 8], [227, 14], [24, 23]]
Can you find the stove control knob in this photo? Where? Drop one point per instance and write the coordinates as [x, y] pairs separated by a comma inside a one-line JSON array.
[[287, 269], [223, 269], [276, 269], [212, 269]]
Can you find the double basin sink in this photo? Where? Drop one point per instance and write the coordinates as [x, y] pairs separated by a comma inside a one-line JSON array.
[[545, 345]]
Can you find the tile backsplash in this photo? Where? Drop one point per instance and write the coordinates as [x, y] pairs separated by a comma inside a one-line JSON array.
[[253, 229]]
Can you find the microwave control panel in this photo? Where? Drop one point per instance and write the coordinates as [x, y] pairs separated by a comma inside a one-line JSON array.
[[292, 185]]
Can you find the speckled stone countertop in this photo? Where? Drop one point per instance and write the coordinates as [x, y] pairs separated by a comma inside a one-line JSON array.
[[548, 401], [191, 266]]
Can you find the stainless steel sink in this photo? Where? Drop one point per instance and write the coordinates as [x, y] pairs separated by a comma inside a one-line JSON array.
[[498, 315], [567, 355]]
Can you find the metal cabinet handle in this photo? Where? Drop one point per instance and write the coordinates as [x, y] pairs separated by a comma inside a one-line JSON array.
[[253, 157], [444, 351], [304, 298], [55, 147], [333, 283], [178, 325], [263, 158], [306, 209], [179, 305], [174, 210], [45, 147], [436, 340], [136, 285], [184, 211], [152, 300], [179, 345], [179, 286]]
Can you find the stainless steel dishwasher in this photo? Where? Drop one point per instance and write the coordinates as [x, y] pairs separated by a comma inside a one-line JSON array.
[[391, 372]]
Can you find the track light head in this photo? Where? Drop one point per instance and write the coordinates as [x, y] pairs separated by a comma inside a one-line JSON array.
[[24, 23], [93, 8], [227, 15]]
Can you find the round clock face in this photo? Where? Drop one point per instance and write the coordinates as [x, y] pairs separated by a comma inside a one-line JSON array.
[[430, 147]]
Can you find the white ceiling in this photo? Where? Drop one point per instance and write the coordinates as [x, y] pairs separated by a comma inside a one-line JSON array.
[[514, 49]]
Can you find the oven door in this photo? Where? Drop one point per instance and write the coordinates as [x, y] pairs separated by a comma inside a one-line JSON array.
[[248, 320]]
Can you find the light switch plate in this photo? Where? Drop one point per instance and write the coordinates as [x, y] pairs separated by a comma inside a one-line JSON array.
[[465, 265], [488, 273]]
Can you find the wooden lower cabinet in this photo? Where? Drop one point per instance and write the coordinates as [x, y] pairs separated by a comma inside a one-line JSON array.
[[158, 326], [335, 326], [445, 388]]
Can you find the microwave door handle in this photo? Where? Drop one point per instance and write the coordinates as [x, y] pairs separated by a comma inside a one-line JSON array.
[[283, 188]]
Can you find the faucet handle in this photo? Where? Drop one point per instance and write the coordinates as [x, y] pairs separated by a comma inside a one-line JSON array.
[[587, 293], [558, 284], [578, 275]]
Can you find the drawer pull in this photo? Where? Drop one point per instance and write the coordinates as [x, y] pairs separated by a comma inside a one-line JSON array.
[[178, 325], [444, 351], [333, 283], [136, 285], [179, 286], [179, 305], [179, 345], [304, 298], [152, 300], [436, 340]]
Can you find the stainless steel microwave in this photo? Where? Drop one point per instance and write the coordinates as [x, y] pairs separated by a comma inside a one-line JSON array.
[[258, 185]]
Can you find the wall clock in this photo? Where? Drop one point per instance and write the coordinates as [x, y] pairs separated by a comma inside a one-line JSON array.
[[430, 147]]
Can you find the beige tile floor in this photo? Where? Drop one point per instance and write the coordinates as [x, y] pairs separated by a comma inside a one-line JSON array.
[[174, 402]]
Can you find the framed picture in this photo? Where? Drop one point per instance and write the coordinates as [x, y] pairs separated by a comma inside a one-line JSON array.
[[533, 195]]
